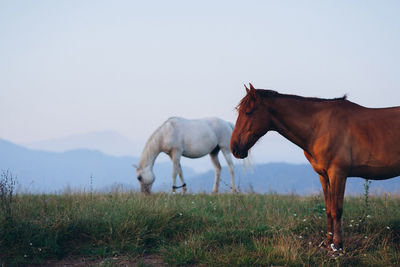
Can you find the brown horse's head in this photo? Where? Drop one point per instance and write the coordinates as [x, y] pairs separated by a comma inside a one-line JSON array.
[[251, 124]]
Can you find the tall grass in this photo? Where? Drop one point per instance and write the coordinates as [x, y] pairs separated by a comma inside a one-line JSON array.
[[222, 230], [7, 191]]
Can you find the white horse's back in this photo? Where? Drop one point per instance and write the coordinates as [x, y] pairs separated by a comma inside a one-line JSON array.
[[195, 138]]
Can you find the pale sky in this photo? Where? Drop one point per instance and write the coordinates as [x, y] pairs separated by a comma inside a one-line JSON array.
[[71, 67]]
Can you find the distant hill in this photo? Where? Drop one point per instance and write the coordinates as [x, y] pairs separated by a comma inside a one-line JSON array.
[[43, 171], [81, 169], [108, 142], [283, 178]]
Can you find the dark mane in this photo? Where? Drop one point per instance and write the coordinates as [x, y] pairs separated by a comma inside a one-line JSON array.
[[275, 94], [272, 93]]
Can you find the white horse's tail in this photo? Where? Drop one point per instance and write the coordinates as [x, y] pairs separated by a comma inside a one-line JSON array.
[[248, 162]]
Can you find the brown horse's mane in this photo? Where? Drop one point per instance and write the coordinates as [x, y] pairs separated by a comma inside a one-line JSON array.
[[271, 93]]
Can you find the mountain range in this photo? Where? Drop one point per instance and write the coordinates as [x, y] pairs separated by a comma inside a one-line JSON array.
[[38, 171], [109, 142]]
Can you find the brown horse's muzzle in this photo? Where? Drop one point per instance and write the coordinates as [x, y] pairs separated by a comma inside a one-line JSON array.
[[239, 152]]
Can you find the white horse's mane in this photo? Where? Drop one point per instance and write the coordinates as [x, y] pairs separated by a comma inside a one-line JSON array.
[[151, 148]]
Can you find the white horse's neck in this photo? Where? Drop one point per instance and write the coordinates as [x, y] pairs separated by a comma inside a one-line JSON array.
[[151, 150]]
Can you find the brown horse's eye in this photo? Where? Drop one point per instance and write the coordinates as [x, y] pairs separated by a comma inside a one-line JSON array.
[[248, 113]]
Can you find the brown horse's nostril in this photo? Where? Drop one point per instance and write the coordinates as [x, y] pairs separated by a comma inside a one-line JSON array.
[[234, 149]]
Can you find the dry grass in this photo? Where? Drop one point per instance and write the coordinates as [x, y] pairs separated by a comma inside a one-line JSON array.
[[199, 230]]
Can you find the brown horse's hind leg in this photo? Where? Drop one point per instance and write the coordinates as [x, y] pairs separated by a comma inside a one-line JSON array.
[[325, 187], [337, 183]]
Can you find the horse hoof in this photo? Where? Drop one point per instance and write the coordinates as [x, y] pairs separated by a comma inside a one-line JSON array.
[[324, 245], [335, 252], [334, 248]]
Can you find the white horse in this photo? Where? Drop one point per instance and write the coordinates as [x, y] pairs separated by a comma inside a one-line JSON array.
[[189, 138]]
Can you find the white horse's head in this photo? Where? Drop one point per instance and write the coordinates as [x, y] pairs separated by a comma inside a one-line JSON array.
[[146, 178]]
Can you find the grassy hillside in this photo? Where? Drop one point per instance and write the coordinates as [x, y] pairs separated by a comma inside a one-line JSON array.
[[222, 230]]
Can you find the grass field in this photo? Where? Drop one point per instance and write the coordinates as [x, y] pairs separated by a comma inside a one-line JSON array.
[[199, 230]]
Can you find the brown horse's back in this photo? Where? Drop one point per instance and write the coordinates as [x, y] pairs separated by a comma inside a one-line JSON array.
[[376, 143], [369, 140]]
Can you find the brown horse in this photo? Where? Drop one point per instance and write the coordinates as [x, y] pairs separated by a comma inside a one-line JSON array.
[[340, 139]]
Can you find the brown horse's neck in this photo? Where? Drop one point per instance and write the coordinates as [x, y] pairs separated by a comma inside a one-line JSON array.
[[293, 118]]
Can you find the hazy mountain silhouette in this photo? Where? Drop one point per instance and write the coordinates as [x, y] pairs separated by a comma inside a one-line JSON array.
[[108, 142], [284, 178], [83, 169], [43, 171]]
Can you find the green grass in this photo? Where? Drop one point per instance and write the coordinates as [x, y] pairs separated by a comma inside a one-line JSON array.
[[204, 230]]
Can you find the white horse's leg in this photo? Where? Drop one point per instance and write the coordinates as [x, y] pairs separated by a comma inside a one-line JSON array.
[[217, 169], [175, 166], [228, 159], [181, 178], [177, 170]]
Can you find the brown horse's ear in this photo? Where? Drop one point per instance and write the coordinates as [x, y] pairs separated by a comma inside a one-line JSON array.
[[252, 91], [247, 89]]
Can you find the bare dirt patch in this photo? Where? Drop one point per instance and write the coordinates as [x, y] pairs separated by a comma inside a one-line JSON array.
[[147, 260]]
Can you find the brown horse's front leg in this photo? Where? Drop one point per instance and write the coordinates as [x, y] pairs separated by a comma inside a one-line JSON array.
[[325, 187], [337, 183]]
